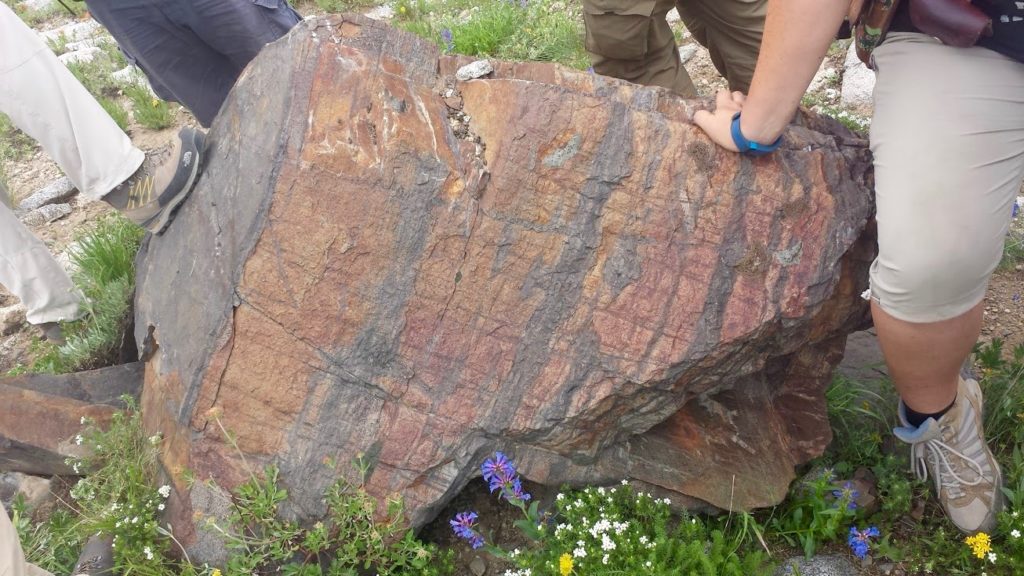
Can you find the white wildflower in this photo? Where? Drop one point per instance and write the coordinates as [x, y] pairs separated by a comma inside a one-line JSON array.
[[579, 552], [165, 490], [78, 439]]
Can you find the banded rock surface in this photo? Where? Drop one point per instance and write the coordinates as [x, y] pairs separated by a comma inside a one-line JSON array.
[[381, 260]]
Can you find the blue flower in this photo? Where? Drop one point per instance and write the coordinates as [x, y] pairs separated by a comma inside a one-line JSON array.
[[499, 467], [847, 494], [860, 540], [446, 36], [500, 474], [464, 526]]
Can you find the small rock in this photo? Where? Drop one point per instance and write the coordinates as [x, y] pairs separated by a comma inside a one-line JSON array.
[[858, 80], [686, 52], [823, 76], [478, 566], [11, 318], [57, 191], [78, 56], [477, 69], [126, 75], [831, 565], [673, 16], [86, 43], [886, 568], [47, 214], [34, 490], [72, 32], [65, 258], [453, 102], [36, 4], [384, 12]]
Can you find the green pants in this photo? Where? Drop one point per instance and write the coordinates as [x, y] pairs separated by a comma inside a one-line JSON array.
[[631, 39]]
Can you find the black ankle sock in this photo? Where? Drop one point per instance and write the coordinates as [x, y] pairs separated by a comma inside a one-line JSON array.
[[917, 418]]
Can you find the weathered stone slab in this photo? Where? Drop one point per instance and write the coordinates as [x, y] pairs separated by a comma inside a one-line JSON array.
[[46, 214], [58, 191], [381, 260], [44, 413]]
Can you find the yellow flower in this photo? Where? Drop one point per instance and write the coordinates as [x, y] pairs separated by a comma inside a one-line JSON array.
[[980, 544], [401, 9], [216, 572], [565, 564]]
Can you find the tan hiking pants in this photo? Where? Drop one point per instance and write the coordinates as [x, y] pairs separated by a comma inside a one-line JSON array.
[[948, 142], [12, 559], [48, 103], [631, 39]]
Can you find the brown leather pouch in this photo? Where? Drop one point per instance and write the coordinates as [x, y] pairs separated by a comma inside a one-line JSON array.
[[954, 22]]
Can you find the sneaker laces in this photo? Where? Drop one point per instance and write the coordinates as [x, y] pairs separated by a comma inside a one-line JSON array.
[[946, 475]]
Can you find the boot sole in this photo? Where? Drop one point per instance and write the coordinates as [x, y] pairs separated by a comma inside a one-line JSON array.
[[169, 211]]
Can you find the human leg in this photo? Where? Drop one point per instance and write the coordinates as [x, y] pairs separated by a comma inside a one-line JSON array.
[[948, 141], [633, 41], [731, 31], [29, 271], [12, 558], [48, 103], [171, 55], [238, 29]]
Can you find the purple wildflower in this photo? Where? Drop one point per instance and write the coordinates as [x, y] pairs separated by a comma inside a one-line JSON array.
[[464, 526], [500, 474], [499, 467], [860, 540], [522, 3], [449, 42], [847, 494], [591, 70]]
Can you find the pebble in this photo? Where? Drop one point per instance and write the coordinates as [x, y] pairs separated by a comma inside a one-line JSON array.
[[687, 51], [46, 214], [57, 191], [473, 70]]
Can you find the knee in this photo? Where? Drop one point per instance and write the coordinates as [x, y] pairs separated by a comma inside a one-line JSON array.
[[931, 285]]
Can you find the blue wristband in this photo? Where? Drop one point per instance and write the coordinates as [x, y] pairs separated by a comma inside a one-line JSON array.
[[746, 146]]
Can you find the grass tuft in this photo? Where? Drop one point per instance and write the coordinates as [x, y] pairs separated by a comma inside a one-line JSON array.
[[149, 111], [105, 275]]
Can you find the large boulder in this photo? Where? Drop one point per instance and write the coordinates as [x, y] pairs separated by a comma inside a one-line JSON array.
[[381, 260]]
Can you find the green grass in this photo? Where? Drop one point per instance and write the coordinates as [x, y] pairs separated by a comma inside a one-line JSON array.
[[105, 274], [1013, 248], [149, 111], [116, 111], [335, 6], [539, 31], [15, 145]]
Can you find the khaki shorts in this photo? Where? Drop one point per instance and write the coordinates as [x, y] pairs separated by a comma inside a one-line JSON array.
[[948, 142], [633, 41]]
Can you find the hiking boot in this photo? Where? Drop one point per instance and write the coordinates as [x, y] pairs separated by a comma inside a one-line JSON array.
[[151, 195], [954, 452], [52, 332], [97, 557]]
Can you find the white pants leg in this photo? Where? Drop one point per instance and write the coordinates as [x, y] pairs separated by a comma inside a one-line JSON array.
[[48, 103], [29, 271], [12, 559]]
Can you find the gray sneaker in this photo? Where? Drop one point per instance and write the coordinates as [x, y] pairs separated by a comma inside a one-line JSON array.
[[97, 557], [954, 452], [151, 195]]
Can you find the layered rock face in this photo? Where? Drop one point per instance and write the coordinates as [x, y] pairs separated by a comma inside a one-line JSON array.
[[382, 261]]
